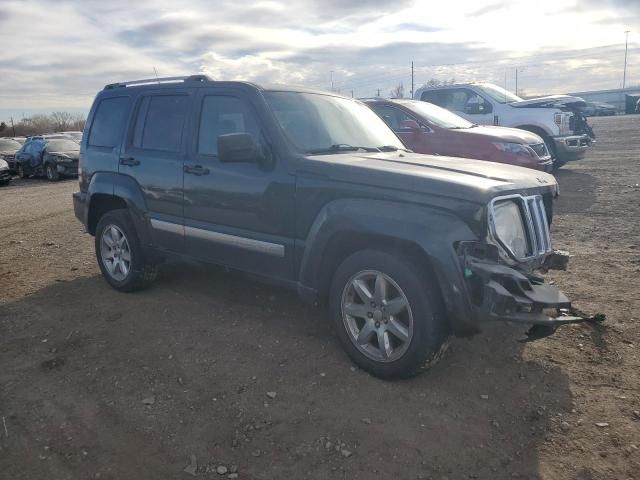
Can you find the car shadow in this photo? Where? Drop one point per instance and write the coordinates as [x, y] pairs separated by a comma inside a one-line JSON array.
[[578, 191], [215, 365]]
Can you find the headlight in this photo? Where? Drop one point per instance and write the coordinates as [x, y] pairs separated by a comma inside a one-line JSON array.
[[515, 148], [3, 164], [508, 224]]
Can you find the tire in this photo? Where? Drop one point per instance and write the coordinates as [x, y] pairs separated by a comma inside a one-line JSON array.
[[127, 270], [21, 172], [52, 173], [422, 322]]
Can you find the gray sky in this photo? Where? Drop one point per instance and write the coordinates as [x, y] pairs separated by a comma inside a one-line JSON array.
[[57, 54]]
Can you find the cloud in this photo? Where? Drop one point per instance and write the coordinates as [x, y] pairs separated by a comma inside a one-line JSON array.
[[79, 46], [494, 7]]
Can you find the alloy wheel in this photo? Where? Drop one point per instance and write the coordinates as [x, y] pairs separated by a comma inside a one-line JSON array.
[[377, 316], [115, 252]]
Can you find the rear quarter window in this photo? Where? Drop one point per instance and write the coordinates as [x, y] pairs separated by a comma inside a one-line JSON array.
[[108, 122], [160, 122]]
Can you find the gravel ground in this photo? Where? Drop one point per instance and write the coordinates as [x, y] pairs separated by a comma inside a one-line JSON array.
[[208, 372]]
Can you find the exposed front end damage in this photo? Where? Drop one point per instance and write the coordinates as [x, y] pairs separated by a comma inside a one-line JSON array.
[[503, 272], [501, 292], [575, 134]]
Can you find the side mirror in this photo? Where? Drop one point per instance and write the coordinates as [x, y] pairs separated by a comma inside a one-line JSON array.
[[238, 147], [410, 125]]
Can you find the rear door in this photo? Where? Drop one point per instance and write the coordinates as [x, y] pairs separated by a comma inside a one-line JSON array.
[[153, 155], [237, 214]]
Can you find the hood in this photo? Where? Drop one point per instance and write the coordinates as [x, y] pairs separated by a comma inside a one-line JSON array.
[[73, 155], [504, 134], [465, 179], [551, 101]]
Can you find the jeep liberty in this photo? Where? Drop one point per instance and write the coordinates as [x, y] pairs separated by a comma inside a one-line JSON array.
[[312, 191]]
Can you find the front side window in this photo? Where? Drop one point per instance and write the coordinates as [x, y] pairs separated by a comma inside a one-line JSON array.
[[394, 117], [108, 122], [160, 122], [320, 123], [222, 115]]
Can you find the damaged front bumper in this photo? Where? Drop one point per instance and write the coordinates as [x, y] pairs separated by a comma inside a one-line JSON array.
[[502, 293]]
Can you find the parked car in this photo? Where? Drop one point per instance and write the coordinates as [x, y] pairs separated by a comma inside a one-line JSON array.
[[593, 109], [5, 173], [20, 140], [77, 136], [8, 149], [54, 156], [557, 119], [427, 128], [313, 191]]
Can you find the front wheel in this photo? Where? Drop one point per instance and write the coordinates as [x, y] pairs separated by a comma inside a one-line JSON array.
[[120, 256], [388, 314], [52, 173]]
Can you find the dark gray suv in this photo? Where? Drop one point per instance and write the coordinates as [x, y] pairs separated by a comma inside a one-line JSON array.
[[312, 191]]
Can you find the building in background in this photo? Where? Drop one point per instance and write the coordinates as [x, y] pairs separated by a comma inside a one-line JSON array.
[[625, 100]]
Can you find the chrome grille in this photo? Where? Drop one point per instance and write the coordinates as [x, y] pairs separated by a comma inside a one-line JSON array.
[[539, 226], [535, 222]]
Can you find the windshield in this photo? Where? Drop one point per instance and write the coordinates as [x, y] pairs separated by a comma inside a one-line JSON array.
[[437, 116], [7, 145], [317, 123], [499, 94], [62, 146]]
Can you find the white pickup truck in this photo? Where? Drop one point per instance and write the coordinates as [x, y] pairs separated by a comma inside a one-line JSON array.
[[558, 119]]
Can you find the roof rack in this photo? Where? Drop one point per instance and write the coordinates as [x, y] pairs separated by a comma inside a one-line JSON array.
[[150, 81]]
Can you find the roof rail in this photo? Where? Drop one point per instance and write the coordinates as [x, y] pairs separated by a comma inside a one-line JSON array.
[[151, 81]]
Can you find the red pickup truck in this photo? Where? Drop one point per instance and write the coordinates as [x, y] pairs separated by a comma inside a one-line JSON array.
[[427, 128]]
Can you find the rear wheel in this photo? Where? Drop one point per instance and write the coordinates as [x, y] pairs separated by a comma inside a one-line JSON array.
[[52, 173], [388, 314], [120, 256]]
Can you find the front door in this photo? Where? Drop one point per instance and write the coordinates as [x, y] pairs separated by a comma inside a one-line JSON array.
[[153, 155], [236, 214]]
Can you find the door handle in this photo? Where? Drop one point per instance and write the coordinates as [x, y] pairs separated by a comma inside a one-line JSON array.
[[198, 170], [130, 161]]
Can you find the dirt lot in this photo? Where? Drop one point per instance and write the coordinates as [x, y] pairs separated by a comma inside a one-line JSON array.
[[99, 384]]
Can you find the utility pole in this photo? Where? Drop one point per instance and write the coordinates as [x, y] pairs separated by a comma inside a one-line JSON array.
[[411, 79], [351, 93], [13, 127], [378, 93], [331, 80], [626, 45]]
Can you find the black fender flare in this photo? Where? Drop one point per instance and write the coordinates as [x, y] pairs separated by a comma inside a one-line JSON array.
[[128, 190], [434, 231]]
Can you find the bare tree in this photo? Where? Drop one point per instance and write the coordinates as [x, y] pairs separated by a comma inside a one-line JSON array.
[[398, 91], [40, 124], [61, 120]]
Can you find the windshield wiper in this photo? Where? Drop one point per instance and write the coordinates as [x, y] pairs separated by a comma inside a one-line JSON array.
[[342, 147], [393, 148]]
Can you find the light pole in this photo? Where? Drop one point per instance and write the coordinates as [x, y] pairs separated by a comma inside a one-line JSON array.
[[331, 80], [626, 46]]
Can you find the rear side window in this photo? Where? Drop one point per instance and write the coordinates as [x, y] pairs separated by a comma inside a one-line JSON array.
[[222, 115], [108, 122], [160, 121]]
